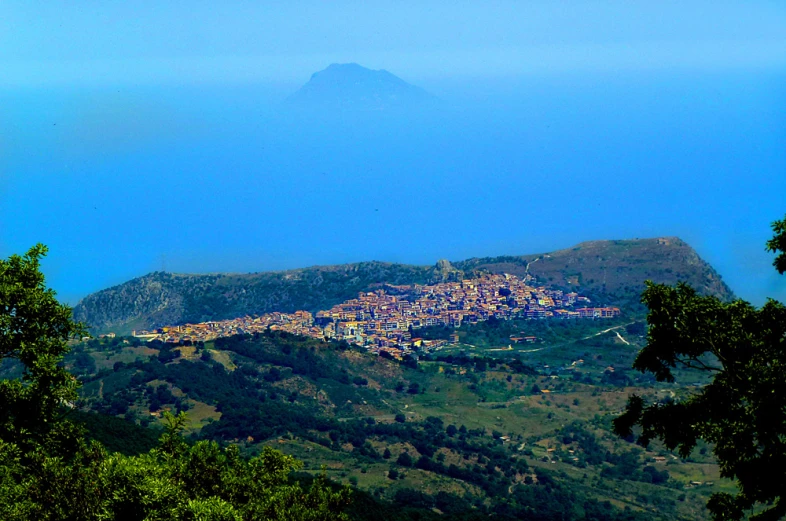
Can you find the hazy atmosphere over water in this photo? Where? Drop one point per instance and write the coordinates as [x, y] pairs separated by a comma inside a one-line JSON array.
[[135, 139]]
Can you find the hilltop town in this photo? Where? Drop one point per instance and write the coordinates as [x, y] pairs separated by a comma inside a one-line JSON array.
[[386, 321]]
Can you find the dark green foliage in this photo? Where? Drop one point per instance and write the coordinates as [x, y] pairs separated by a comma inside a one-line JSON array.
[[627, 466], [592, 452], [84, 363], [495, 333], [742, 411], [172, 482], [282, 350], [238, 395], [404, 459], [409, 361], [636, 328], [34, 329], [406, 497], [480, 363], [116, 434], [778, 245], [550, 500], [167, 354], [615, 378], [252, 405], [50, 472]]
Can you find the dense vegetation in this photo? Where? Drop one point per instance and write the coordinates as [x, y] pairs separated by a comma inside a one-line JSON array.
[[50, 471], [495, 332], [742, 410], [482, 429], [394, 428]]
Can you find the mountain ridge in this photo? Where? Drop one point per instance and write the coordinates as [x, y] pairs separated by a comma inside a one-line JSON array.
[[613, 271], [588, 266]]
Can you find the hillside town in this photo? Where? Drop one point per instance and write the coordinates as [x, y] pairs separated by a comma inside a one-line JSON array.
[[383, 321]]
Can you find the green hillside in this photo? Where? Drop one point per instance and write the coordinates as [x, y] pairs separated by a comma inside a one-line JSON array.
[[466, 431], [162, 298], [613, 270]]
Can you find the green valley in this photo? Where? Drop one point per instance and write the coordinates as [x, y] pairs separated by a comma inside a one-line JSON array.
[[507, 415], [467, 430]]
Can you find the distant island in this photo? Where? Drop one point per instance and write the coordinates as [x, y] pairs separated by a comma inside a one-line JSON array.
[[349, 86]]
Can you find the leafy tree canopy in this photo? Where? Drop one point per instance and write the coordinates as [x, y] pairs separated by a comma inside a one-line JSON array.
[[49, 471], [777, 245], [34, 329], [742, 412]]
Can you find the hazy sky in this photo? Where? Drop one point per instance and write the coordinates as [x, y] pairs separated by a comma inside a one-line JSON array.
[[90, 43], [141, 136]]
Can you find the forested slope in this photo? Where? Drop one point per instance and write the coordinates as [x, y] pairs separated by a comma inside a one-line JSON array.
[[162, 298], [487, 432]]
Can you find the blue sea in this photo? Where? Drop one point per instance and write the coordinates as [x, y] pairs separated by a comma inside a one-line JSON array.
[[121, 181]]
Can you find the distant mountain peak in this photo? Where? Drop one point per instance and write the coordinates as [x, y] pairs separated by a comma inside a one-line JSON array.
[[343, 68], [352, 86]]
